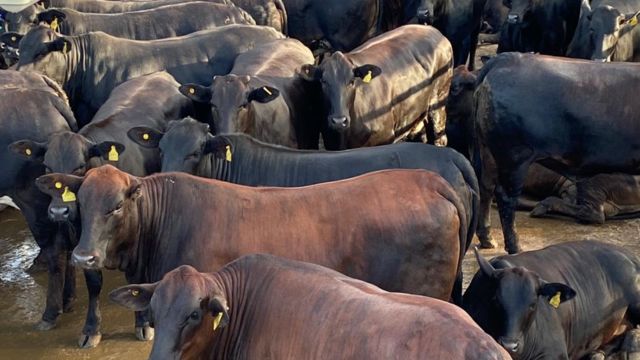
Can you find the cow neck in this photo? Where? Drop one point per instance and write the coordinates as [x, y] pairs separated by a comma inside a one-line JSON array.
[[149, 229], [77, 65], [238, 283]]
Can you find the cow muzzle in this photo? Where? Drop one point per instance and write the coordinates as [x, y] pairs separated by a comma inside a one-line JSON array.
[[424, 17], [59, 213], [512, 346], [513, 18], [339, 123], [86, 261]]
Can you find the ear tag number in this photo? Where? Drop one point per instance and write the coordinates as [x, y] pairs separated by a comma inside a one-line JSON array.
[[192, 91], [27, 151], [68, 195], [113, 154], [555, 300], [145, 137]]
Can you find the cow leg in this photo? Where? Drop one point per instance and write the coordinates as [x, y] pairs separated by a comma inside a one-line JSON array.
[[69, 291], [39, 264], [507, 193], [472, 50], [144, 330], [91, 335], [56, 266], [486, 170], [557, 205]]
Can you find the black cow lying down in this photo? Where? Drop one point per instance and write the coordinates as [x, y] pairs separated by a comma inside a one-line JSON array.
[[158, 23], [562, 302], [89, 66], [188, 146], [294, 310], [578, 136]]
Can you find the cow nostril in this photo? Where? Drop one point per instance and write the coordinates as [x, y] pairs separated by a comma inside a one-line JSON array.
[[340, 121], [511, 346], [89, 260], [513, 18]]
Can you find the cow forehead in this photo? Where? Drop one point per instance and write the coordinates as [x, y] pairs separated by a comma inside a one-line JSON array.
[[227, 90], [337, 65], [183, 135], [35, 38], [605, 17], [517, 285], [181, 289], [105, 181], [66, 148]]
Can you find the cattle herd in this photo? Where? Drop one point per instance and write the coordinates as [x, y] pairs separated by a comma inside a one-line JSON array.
[[297, 179]]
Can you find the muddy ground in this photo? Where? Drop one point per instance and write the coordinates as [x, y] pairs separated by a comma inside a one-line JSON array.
[[22, 295]]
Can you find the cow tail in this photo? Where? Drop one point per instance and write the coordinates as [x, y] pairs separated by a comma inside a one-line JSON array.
[[283, 16], [470, 178]]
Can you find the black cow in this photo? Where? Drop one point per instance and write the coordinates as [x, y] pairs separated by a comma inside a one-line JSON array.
[[187, 146], [151, 101], [562, 302], [89, 67], [9, 53], [263, 97], [157, 23], [578, 136], [459, 20], [541, 26], [22, 21], [393, 87], [607, 31], [34, 106]]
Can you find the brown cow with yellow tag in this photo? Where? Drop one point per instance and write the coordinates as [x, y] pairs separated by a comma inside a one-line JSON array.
[[562, 302], [262, 304]]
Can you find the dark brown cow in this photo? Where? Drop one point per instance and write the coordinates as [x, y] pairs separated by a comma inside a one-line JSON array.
[[261, 304], [390, 88], [263, 97], [405, 237]]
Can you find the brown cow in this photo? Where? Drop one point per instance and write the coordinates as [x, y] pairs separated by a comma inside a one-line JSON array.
[[388, 89], [398, 229], [261, 304]]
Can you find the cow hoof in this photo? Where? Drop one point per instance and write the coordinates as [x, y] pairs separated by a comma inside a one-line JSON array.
[[539, 211], [599, 355], [89, 341], [37, 268], [512, 249], [45, 325], [488, 244], [68, 307], [145, 333]]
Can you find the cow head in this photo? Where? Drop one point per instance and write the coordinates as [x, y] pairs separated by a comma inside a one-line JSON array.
[[518, 9], [45, 51], [67, 153], [24, 20], [109, 200], [184, 146], [51, 18], [235, 101], [425, 12], [520, 294], [189, 309], [9, 47], [340, 80], [607, 25]]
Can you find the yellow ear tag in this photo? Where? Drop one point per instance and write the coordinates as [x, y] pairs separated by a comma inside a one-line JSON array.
[[555, 300], [266, 90], [27, 151], [68, 195], [216, 321], [228, 154], [54, 24], [192, 91], [145, 137], [113, 154], [13, 38], [135, 293], [58, 185], [64, 47], [367, 78], [633, 21]]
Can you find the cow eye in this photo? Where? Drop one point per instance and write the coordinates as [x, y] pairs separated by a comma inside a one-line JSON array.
[[195, 316], [117, 209], [194, 155]]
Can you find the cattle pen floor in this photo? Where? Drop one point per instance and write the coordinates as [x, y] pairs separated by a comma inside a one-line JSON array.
[[22, 295]]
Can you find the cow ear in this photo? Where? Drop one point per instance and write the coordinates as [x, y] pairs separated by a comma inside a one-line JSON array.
[[52, 17], [585, 7], [134, 297], [310, 72], [485, 266], [195, 92], [11, 39], [29, 150], [367, 72], [60, 185], [60, 44], [145, 136], [108, 150], [556, 293], [217, 306], [219, 146], [263, 95], [135, 190], [45, 4]]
